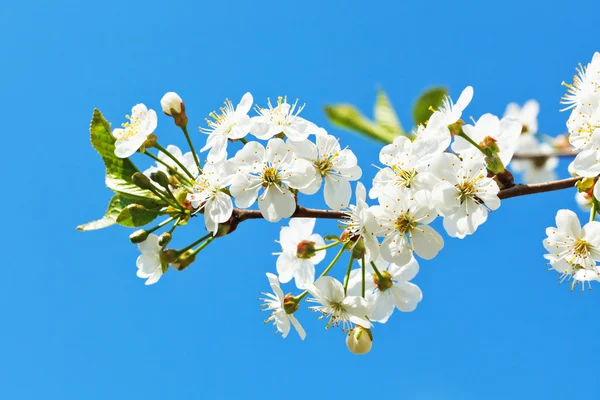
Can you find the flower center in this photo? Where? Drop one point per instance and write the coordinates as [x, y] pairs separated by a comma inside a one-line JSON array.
[[306, 249], [405, 223], [581, 248], [324, 166], [404, 177], [131, 128], [383, 283], [270, 176]]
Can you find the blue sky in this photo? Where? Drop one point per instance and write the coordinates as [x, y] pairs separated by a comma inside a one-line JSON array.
[[78, 323]]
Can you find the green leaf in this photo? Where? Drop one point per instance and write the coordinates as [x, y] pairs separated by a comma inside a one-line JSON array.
[[348, 117], [118, 170], [430, 98], [136, 215], [115, 206], [385, 115]]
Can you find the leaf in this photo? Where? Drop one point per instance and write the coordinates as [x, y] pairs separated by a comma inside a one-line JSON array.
[[118, 170], [348, 117], [431, 98], [385, 115], [136, 215], [115, 206]]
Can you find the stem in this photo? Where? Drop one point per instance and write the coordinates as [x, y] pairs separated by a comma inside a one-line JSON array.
[[593, 209], [522, 190], [337, 257], [189, 140], [328, 246], [172, 157], [347, 277], [468, 139], [203, 245], [377, 271], [163, 223], [363, 276], [170, 169], [175, 225], [531, 156], [243, 140], [196, 242]]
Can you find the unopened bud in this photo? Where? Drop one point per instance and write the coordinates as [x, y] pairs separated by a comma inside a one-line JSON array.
[[290, 304], [359, 340], [184, 260], [173, 106], [161, 178], [141, 181], [139, 236], [494, 164], [489, 146], [306, 249], [164, 239]]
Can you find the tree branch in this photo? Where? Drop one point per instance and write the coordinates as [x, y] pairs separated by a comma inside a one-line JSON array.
[[533, 156], [515, 191]]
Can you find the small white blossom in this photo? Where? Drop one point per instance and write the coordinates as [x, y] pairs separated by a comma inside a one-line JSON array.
[[282, 118], [393, 291], [407, 165], [149, 263], [359, 221], [208, 195], [526, 115], [171, 103], [584, 90], [504, 132], [298, 257], [331, 164], [274, 303], [187, 160], [402, 219], [128, 140], [341, 310], [584, 201], [464, 193], [587, 161], [535, 170], [276, 169], [571, 246], [229, 124], [448, 114]]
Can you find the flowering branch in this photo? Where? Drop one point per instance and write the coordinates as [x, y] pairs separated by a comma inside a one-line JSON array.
[[533, 156]]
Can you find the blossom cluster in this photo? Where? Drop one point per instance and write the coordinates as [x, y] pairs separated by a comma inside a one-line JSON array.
[[270, 156]]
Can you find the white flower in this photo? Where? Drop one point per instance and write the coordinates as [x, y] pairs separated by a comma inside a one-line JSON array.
[[341, 310], [407, 165], [464, 194], [403, 218], [187, 160], [149, 263], [171, 103], [577, 275], [584, 90], [504, 132], [587, 161], [582, 125], [393, 291], [448, 114], [359, 340], [275, 304], [128, 140], [584, 201], [208, 195], [358, 221], [330, 163], [298, 256], [570, 246], [281, 119], [535, 170], [526, 115], [229, 124], [275, 169]]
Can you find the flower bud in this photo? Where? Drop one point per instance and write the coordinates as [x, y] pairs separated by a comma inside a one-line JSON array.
[[306, 249], [173, 106], [141, 181], [494, 164], [184, 260], [161, 178], [170, 255], [139, 236], [164, 239], [359, 340], [290, 304]]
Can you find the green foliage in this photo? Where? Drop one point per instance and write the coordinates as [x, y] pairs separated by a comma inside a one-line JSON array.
[[135, 215], [431, 98], [118, 179], [348, 117], [385, 115]]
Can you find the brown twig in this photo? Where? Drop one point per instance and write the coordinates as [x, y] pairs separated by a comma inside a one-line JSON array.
[[533, 156]]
